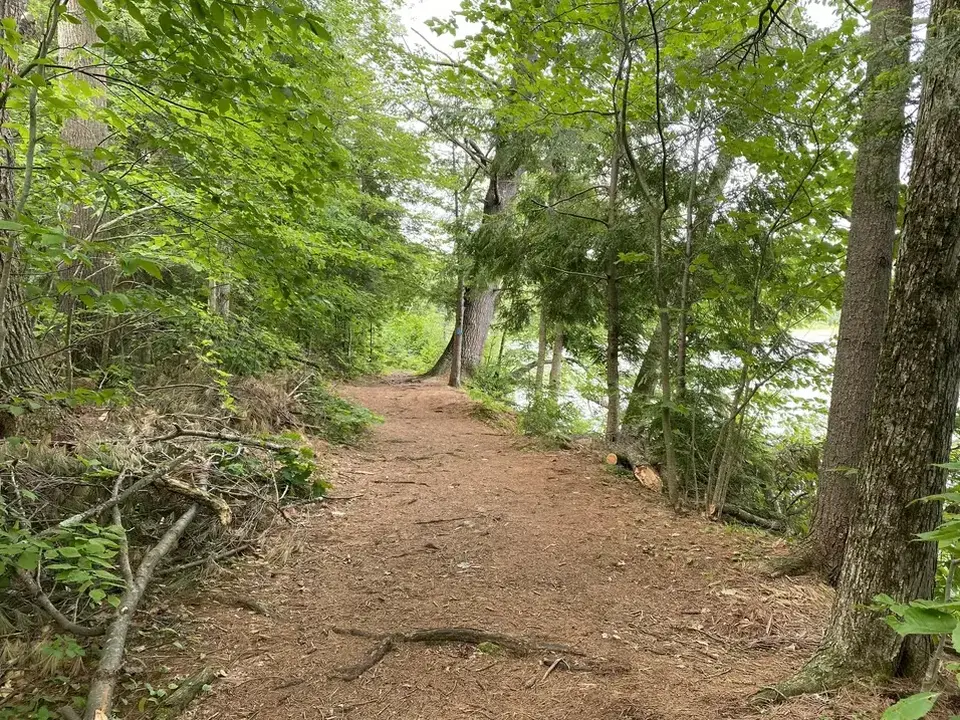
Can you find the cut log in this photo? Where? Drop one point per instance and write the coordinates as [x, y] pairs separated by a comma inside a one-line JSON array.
[[645, 473]]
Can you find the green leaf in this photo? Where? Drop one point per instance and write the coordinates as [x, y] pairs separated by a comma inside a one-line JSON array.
[[92, 9], [29, 560], [923, 621], [97, 595], [947, 532], [911, 708]]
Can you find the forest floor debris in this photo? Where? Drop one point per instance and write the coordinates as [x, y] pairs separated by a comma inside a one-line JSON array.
[[548, 550]]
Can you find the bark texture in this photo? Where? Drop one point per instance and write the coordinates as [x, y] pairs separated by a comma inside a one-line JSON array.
[[915, 400], [867, 284], [18, 370]]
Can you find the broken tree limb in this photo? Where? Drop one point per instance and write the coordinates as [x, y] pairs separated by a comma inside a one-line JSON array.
[[43, 601], [220, 436], [647, 474], [749, 517], [197, 494], [100, 697], [471, 636], [136, 487], [123, 543]]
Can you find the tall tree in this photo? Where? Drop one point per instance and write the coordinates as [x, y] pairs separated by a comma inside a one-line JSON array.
[[915, 399], [873, 229], [18, 348], [480, 298]]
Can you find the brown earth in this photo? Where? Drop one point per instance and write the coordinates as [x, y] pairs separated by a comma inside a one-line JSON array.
[[455, 523]]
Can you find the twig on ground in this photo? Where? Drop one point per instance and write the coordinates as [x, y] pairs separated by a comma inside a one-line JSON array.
[[553, 666], [445, 520], [472, 636]]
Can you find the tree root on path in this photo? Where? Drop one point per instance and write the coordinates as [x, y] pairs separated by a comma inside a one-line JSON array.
[[822, 673], [517, 645]]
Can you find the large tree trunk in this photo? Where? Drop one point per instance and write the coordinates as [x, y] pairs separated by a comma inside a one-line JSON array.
[[915, 400], [481, 301], [18, 348], [866, 291], [479, 306], [478, 315], [83, 134]]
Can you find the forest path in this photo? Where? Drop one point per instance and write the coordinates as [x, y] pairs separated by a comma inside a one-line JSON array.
[[455, 523]]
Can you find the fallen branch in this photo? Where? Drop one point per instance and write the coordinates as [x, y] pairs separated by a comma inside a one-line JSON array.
[[220, 436], [100, 697], [43, 601], [116, 499], [399, 482], [217, 504], [472, 636], [749, 517], [123, 543], [203, 561]]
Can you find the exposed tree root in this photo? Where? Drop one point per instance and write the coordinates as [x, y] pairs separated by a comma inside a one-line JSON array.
[[472, 636], [820, 674]]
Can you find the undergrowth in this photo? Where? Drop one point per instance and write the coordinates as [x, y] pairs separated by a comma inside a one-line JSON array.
[[241, 450]]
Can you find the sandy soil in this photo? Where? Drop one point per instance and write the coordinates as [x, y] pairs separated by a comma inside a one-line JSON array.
[[455, 523]]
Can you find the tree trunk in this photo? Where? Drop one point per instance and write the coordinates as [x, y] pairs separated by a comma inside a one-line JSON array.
[[481, 301], [915, 400], [613, 304], [83, 134], [556, 362], [869, 258], [456, 342], [218, 301], [18, 347], [688, 261], [645, 383]]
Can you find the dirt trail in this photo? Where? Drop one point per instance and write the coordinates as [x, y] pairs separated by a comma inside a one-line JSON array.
[[456, 524]]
